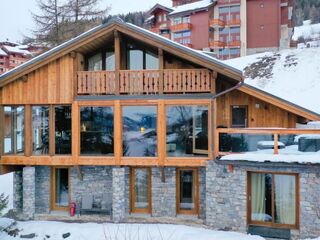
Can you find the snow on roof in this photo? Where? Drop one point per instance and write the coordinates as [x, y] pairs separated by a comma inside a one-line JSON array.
[[17, 50], [307, 31], [192, 6], [149, 18], [292, 75], [3, 53]]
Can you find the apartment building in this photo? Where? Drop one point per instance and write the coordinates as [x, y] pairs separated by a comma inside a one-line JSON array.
[[227, 28]]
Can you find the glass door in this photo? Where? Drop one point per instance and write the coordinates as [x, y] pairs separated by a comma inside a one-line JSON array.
[[141, 190], [60, 189], [187, 191]]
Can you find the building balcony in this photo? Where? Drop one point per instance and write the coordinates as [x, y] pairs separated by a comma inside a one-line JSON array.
[[141, 82], [155, 30], [181, 27], [234, 44], [216, 23], [234, 22], [216, 44], [258, 144], [166, 35]]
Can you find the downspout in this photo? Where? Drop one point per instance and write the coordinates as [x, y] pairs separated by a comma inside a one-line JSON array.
[[238, 85]]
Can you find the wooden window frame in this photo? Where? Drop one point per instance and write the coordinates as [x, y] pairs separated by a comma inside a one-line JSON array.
[[247, 115], [195, 211], [53, 207], [133, 209], [53, 133], [272, 223]]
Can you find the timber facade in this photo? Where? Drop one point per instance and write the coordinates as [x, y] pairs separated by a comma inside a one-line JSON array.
[[124, 122]]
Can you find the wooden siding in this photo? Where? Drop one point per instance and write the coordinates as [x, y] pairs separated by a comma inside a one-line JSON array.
[[50, 84]]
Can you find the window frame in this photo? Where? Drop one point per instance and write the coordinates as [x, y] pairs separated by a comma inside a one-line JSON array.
[[231, 115], [273, 223]]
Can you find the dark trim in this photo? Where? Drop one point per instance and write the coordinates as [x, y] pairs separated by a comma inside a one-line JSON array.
[[144, 97]]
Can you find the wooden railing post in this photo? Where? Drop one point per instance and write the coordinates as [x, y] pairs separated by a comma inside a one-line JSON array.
[[117, 55], [276, 143], [161, 72]]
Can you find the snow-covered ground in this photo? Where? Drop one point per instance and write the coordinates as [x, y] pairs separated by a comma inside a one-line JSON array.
[[6, 187], [307, 31], [111, 231]]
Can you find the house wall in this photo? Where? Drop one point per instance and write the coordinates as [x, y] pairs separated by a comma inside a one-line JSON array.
[[200, 30], [227, 196]]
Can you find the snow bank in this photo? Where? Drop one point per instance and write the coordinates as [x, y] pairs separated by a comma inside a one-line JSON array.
[[5, 223], [292, 75], [307, 31], [192, 6], [125, 231], [6, 187]]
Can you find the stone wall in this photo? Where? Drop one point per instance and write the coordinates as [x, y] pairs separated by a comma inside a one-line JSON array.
[[163, 192], [28, 177], [202, 193], [17, 191], [118, 197], [42, 181], [226, 195]]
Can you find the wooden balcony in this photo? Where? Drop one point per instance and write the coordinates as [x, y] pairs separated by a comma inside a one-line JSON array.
[[140, 82], [267, 141], [234, 44], [217, 23], [181, 27], [216, 44], [234, 22]]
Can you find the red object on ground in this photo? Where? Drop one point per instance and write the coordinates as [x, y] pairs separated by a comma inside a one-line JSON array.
[[73, 209]]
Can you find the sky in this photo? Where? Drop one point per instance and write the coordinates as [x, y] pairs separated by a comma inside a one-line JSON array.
[[16, 20]]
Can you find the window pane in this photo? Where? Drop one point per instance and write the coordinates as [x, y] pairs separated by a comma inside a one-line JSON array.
[[139, 131], [14, 130], [135, 59], [96, 130], [187, 130], [239, 116], [61, 187], [63, 130], [186, 190], [261, 197], [95, 63], [285, 199], [110, 61], [141, 180], [40, 130], [152, 61]]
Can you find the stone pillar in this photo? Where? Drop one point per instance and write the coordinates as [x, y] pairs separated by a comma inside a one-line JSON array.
[[17, 191], [118, 194], [28, 192]]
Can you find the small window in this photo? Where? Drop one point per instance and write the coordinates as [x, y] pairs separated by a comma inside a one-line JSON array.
[[239, 116], [110, 61], [95, 63]]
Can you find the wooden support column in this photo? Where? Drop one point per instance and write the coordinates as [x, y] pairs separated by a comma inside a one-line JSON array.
[[117, 56], [161, 125], [117, 132], [214, 112], [161, 67], [75, 129], [28, 131], [1, 129], [75, 64], [51, 130], [276, 143]]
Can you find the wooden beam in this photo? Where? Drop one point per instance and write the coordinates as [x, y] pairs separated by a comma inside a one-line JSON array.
[[161, 122], [1, 129], [117, 133], [276, 143], [75, 129], [117, 54], [28, 131], [161, 67], [51, 130]]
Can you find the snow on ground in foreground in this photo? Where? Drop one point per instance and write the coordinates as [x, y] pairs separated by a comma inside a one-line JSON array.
[[124, 232], [6, 187]]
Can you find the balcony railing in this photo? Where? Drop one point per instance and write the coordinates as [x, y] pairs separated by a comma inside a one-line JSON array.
[[181, 27], [217, 23], [155, 30], [234, 22], [267, 141], [217, 44], [234, 44], [139, 82]]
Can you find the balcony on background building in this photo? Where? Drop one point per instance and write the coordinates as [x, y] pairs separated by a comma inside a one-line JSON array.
[[166, 35], [216, 23], [141, 82], [181, 27], [164, 26], [234, 44], [234, 22], [216, 44], [155, 30]]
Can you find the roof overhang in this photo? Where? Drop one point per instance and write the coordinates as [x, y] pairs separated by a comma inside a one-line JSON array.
[[159, 6]]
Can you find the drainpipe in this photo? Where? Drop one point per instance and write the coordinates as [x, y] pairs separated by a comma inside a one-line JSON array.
[[239, 84]]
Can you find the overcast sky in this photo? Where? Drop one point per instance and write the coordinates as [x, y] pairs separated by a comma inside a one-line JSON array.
[[16, 21]]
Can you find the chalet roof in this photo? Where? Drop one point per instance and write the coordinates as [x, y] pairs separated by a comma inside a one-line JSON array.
[[3, 53], [111, 25], [194, 7], [16, 49], [291, 75]]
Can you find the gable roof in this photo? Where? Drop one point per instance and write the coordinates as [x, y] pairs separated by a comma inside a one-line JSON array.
[[192, 7], [290, 75], [126, 28], [159, 6]]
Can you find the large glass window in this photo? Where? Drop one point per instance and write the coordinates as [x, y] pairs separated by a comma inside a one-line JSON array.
[[187, 130], [40, 130], [273, 198], [138, 59], [13, 130], [63, 130], [95, 62], [110, 61], [96, 130], [139, 131]]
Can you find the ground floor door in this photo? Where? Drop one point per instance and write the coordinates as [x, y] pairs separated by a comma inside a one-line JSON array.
[[187, 191], [140, 190], [60, 189]]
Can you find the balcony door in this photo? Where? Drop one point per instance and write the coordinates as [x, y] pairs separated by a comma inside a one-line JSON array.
[[140, 190], [187, 191], [60, 189]]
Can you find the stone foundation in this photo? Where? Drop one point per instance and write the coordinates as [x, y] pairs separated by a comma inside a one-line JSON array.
[[29, 189]]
